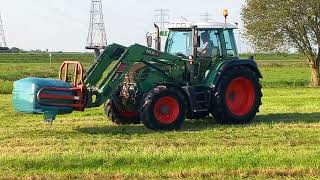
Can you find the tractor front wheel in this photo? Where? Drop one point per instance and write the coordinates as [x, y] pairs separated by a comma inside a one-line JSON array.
[[120, 116], [238, 97], [163, 109]]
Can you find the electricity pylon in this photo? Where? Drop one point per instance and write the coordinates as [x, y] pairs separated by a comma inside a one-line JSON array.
[[96, 39], [3, 43]]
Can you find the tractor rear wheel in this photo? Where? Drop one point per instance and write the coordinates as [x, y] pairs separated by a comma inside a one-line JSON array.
[[120, 116], [163, 109], [238, 96]]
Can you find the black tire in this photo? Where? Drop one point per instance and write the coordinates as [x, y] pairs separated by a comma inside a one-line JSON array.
[[238, 97], [163, 98], [120, 117]]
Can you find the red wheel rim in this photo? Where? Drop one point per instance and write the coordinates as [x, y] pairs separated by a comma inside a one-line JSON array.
[[240, 96], [166, 110]]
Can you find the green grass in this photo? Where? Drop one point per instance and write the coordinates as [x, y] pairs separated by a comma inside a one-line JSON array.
[[44, 57], [285, 77], [275, 56], [17, 66], [275, 74], [283, 142], [6, 87], [88, 57], [12, 72]]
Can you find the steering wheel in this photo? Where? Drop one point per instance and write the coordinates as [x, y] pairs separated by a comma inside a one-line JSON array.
[[181, 55]]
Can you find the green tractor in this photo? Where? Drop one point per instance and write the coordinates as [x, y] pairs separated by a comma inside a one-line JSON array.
[[199, 74]]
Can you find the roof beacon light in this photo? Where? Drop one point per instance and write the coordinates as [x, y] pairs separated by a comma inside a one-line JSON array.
[[225, 14]]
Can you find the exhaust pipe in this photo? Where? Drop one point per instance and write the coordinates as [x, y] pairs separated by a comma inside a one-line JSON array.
[[157, 38]]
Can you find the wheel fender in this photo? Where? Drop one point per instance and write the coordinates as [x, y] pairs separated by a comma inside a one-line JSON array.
[[224, 67]]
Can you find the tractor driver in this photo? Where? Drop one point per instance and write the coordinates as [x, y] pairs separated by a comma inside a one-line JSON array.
[[207, 48]]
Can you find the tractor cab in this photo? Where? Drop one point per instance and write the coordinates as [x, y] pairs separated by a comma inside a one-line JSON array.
[[203, 41], [199, 44]]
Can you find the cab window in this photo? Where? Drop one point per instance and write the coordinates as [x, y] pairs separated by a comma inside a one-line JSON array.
[[209, 44], [230, 43], [179, 43]]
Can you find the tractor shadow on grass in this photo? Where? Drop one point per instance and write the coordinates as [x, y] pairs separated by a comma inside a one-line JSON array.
[[189, 125], [288, 118], [276, 118], [115, 130], [203, 124]]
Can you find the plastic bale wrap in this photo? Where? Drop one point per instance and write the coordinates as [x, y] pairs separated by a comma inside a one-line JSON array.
[[25, 97]]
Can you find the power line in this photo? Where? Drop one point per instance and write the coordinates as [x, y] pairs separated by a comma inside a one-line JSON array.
[[206, 17], [3, 42], [162, 17]]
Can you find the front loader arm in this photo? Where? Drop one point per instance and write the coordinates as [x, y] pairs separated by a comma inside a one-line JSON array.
[[134, 54], [95, 73], [96, 86]]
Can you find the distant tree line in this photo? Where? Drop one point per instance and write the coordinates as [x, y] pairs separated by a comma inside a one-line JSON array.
[[18, 50], [11, 50]]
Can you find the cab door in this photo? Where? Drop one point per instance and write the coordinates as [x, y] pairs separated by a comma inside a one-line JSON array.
[[209, 51]]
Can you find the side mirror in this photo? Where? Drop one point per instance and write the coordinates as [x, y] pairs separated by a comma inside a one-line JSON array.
[[149, 41]]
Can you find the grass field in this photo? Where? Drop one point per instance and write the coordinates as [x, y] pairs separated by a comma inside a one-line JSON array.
[[44, 57], [282, 142], [275, 56], [290, 72], [273, 76]]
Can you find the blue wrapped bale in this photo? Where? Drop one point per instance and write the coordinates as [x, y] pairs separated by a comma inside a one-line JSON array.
[[26, 91]]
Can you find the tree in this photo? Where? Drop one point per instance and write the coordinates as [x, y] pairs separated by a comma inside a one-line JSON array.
[[272, 25]]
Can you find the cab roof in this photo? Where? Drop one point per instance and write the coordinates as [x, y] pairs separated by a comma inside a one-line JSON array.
[[201, 25]]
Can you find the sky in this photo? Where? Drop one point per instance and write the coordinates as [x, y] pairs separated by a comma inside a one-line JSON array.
[[62, 25]]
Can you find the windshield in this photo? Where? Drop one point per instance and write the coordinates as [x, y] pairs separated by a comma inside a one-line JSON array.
[[179, 43]]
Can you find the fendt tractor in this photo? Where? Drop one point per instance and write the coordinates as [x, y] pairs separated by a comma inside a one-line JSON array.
[[198, 74]]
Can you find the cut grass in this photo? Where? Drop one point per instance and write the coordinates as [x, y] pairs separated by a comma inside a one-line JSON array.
[[6, 87], [283, 141]]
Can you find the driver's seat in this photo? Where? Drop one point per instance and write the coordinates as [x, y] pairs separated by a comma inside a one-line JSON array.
[[215, 52]]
